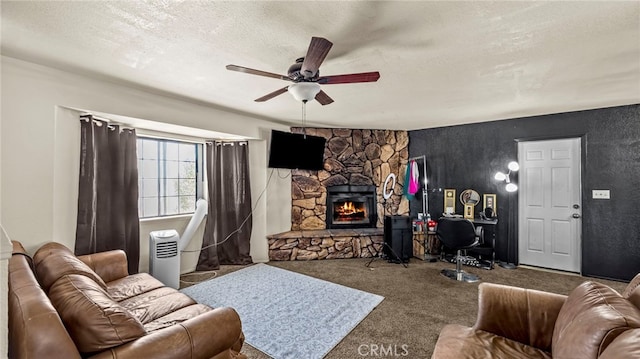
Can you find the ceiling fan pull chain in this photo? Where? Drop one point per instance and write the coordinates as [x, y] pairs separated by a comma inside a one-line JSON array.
[[304, 118]]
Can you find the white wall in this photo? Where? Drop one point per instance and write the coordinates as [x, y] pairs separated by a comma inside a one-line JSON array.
[[5, 254], [5, 246], [39, 151], [5, 251], [278, 196]]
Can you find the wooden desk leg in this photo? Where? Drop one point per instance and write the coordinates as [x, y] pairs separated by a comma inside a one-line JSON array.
[[419, 245], [433, 245]]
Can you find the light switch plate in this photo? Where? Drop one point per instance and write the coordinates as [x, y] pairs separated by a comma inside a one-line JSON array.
[[600, 194]]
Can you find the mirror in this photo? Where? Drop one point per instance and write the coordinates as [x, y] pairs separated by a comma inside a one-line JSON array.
[[469, 196]]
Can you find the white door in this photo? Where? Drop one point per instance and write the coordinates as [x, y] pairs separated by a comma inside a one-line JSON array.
[[550, 205]]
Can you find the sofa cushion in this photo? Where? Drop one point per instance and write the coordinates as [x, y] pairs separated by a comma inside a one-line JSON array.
[[35, 329], [94, 320], [54, 260], [157, 303], [632, 292], [592, 316], [626, 345], [460, 342], [176, 317], [132, 285]]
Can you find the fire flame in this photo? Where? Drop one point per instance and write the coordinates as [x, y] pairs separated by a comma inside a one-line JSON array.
[[349, 211], [348, 208]]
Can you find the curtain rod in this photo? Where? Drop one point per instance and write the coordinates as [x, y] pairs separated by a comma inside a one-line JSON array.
[[86, 114], [228, 143], [109, 123]]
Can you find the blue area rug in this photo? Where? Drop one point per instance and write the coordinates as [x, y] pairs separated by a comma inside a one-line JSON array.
[[285, 314]]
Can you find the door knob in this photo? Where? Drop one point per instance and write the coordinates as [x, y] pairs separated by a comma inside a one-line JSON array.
[[576, 215]]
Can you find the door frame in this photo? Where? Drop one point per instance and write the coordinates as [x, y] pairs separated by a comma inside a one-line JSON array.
[[583, 196]]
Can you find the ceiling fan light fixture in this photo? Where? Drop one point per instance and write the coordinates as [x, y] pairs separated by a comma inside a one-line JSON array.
[[304, 91]]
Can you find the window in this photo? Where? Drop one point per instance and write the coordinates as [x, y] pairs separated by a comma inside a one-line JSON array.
[[169, 176]]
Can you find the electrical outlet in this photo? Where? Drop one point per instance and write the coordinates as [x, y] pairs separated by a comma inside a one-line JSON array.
[[600, 194]]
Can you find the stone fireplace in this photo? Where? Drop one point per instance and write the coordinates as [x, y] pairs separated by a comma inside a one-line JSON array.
[[351, 158], [329, 222], [351, 207]]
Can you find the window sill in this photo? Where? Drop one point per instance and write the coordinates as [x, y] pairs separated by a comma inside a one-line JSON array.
[[163, 218]]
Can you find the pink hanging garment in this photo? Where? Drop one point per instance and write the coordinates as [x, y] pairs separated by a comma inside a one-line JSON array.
[[414, 176]]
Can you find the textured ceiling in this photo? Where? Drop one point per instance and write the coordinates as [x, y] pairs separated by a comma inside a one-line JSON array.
[[441, 63]]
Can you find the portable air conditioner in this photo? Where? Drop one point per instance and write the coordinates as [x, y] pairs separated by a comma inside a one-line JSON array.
[[165, 247], [164, 258]]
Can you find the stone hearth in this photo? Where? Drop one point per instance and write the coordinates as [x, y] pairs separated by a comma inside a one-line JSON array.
[[325, 244]]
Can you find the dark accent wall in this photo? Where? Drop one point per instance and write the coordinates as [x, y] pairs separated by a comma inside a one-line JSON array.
[[467, 156]]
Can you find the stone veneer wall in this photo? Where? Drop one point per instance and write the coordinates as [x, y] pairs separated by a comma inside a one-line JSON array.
[[354, 157]]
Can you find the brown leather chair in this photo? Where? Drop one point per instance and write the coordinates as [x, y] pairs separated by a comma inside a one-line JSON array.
[[593, 321]]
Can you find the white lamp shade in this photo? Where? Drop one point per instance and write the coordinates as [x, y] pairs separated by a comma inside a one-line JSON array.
[[511, 187], [500, 176], [513, 166], [304, 91]]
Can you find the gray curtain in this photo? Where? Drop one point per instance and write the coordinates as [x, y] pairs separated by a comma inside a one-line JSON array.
[[108, 191], [228, 229]]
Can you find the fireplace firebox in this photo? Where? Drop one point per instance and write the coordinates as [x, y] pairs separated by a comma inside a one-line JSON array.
[[351, 207]]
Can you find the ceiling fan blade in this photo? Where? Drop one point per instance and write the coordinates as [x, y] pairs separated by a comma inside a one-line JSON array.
[[318, 50], [247, 70], [349, 78], [323, 98], [272, 95]]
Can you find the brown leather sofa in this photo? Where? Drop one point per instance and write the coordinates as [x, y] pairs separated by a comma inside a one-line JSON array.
[[593, 321], [63, 306]]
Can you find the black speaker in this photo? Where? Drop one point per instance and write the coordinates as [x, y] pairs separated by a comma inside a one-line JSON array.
[[398, 237]]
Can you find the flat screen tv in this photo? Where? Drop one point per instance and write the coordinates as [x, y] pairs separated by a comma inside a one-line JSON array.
[[296, 151]]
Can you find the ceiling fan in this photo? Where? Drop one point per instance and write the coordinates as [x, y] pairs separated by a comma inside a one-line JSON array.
[[305, 75]]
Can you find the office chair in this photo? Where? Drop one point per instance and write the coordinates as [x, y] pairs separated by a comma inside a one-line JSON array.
[[457, 234]]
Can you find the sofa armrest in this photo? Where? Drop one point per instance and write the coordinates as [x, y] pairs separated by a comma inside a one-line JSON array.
[[109, 265], [525, 315], [204, 336]]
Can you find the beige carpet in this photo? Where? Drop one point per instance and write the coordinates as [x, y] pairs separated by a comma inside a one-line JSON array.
[[418, 300]]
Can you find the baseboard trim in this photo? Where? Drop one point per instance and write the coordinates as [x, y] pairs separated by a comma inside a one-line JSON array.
[[557, 271]]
